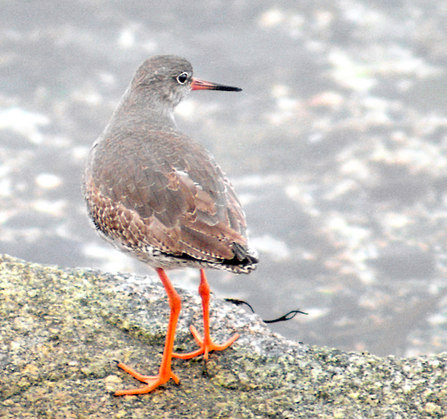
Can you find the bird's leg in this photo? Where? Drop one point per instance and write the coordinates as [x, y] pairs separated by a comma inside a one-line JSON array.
[[206, 344], [164, 373]]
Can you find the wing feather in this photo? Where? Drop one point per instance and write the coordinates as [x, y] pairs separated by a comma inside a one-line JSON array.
[[171, 194]]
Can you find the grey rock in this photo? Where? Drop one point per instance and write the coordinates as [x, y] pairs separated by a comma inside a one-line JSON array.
[[61, 330]]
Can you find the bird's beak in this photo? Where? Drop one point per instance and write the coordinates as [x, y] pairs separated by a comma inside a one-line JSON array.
[[207, 85]]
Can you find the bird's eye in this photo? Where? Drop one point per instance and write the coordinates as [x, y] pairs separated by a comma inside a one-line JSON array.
[[181, 78]]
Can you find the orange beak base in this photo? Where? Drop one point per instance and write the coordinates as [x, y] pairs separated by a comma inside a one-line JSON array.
[[207, 85]]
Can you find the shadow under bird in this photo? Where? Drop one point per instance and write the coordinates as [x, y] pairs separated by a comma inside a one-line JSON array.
[[157, 194]]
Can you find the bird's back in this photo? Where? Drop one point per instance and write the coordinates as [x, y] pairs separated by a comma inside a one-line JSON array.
[[162, 197]]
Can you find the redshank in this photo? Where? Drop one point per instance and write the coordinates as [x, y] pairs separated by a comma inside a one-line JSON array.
[[155, 193]]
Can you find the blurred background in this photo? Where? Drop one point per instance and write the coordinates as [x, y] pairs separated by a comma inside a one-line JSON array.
[[336, 148]]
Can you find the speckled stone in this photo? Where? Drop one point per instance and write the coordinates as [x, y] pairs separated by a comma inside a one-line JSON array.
[[62, 329]]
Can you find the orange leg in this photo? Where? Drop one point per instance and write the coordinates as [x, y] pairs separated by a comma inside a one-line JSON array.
[[206, 344], [165, 373]]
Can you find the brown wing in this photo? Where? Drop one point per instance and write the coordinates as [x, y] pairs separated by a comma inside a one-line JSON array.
[[171, 194]]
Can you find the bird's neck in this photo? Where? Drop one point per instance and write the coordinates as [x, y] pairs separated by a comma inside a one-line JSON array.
[[146, 111]]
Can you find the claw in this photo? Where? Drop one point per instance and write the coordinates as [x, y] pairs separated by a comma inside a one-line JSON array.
[[152, 381], [205, 346]]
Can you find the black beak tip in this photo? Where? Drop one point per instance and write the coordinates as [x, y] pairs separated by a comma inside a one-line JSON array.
[[230, 88]]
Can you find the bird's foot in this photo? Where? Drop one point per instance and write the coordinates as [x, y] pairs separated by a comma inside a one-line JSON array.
[[152, 381], [206, 345]]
